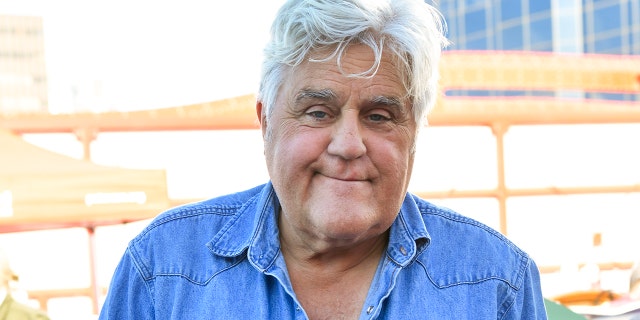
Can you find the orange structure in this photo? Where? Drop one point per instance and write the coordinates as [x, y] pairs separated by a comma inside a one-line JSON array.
[[481, 70]]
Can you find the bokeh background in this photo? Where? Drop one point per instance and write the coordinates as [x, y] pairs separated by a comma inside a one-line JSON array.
[[70, 57]]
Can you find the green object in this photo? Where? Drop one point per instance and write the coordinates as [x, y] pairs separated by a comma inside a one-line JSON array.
[[556, 311]]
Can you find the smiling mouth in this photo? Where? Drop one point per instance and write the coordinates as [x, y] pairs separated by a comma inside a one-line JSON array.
[[343, 179]]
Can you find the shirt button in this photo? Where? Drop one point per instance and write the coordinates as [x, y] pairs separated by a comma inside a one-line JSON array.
[[369, 309], [403, 251]]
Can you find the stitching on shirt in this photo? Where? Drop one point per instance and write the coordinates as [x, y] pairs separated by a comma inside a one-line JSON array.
[[508, 303], [223, 231], [199, 283], [523, 258], [449, 215]]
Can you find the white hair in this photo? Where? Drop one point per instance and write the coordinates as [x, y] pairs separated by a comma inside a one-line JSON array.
[[411, 30]]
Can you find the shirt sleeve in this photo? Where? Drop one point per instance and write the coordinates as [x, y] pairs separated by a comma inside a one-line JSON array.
[[128, 296], [529, 302]]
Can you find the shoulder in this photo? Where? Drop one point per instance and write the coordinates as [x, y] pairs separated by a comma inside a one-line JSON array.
[[208, 215], [444, 222], [462, 249], [184, 233]]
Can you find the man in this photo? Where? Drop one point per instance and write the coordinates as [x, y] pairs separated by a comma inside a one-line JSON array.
[[334, 234]]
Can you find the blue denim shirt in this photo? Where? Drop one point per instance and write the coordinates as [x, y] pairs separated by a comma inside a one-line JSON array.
[[221, 259]]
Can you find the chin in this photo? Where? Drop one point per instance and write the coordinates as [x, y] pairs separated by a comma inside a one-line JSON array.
[[350, 229]]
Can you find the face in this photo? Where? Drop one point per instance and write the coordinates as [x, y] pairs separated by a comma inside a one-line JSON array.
[[339, 150]]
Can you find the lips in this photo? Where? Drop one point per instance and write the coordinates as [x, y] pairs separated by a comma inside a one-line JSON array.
[[345, 178], [348, 179]]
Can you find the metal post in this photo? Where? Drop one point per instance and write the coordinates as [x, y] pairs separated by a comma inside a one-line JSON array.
[[499, 129], [95, 294]]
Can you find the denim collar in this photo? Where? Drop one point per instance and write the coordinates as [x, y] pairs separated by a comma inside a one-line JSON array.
[[254, 230]]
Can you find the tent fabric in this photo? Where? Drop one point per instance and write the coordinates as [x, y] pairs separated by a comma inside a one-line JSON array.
[[40, 189], [556, 311]]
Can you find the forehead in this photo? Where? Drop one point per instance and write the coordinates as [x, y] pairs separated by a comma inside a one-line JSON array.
[[356, 69]]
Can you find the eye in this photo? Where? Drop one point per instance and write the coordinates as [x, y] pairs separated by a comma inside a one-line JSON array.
[[318, 115], [379, 117]]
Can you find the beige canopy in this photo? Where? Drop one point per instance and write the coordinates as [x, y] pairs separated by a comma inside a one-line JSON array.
[[40, 189]]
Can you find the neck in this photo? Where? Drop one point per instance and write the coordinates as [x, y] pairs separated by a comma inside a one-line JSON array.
[[333, 261], [333, 283]]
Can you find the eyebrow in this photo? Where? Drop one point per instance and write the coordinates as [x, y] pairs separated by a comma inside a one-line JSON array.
[[324, 94], [330, 95], [387, 101]]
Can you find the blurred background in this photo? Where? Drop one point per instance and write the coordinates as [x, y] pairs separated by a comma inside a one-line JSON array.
[[111, 112]]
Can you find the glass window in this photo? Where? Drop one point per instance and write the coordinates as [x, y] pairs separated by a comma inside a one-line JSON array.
[[567, 27], [477, 44], [472, 3], [510, 9], [608, 96], [608, 45], [565, 5], [452, 26], [537, 93], [567, 33], [541, 31], [607, 18], [542, 46], [634, 34], [475, 21], [512, 38], [514, 93], [602, 2], [536, 6], [456, 93], [443, 6]]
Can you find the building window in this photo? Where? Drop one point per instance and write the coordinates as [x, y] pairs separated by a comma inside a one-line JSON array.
[[477, 44], [512, 38], [607, 18], [475, 21], [541, 34], [608, 45], [536, 6], [473, 3], [510, 9]]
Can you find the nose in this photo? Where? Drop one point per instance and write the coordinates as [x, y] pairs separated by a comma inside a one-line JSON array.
[[347, 140]]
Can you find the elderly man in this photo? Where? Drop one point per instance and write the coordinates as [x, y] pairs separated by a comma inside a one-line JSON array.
[[334, 234]]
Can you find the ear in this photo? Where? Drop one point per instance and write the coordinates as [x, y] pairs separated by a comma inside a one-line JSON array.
[[262, 117]]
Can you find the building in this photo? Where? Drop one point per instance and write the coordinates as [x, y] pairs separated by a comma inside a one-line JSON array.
[[566, 26], [588, 26], [571, 30], [23, 80]]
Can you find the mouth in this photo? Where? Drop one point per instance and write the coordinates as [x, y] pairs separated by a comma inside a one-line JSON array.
[[347, 178]]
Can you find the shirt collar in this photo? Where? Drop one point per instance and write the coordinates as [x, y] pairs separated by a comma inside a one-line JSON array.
[[408, 236], [254, 220], [255, 229]]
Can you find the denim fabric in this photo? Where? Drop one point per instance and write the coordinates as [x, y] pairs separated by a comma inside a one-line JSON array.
[[220, 259]]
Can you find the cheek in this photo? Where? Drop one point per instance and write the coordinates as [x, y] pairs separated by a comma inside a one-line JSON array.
[[288, 148], [395, 155]]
